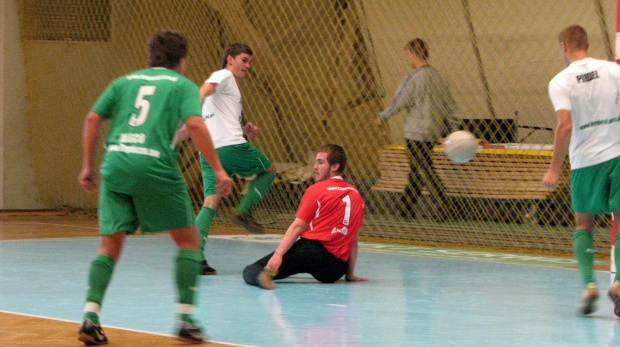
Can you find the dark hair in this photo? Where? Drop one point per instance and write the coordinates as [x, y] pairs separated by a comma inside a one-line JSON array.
[[335, 155], [574, 37], [234, 49], [166, 48], [419, 47]]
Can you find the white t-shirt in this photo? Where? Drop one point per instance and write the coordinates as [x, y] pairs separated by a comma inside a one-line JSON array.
[[589, 89], [221, 111]]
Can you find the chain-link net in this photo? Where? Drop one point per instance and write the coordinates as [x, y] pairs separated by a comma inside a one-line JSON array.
[[322, 71]]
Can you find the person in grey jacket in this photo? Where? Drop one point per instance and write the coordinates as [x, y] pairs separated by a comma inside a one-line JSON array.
[[426, 97]]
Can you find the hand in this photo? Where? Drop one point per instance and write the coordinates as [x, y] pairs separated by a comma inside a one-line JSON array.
[[378, 121], [88, 180], [183, 133], [223, 187], [275, 262], [354, 278], [250, 130], [551, 179]]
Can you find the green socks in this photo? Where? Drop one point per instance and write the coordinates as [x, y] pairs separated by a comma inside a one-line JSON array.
[[256, 191], [584, 252], [101, 270], [187, 270], [203, 222]]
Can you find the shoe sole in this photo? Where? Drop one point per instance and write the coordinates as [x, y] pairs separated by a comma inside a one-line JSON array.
[[89, 340], [615, 297], [209, 272], [249, 227], [190, 341]]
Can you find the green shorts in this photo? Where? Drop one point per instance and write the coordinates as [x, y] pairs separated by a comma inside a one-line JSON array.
[[596, 189], [243, 159], [152, 210]]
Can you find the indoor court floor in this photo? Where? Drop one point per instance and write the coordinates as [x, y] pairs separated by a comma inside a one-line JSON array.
[[416, 296]]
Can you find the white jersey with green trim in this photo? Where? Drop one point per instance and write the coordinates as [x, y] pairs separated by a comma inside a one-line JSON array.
[[590, 90], [221, 111]]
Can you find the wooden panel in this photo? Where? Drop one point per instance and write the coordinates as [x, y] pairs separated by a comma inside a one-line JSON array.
[[498, 174], [394, 169], [492, 174]]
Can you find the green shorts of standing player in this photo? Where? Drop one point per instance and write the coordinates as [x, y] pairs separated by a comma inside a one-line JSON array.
[[244, 160]]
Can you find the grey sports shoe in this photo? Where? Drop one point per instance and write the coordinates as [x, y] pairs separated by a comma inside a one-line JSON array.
[[91, 334]]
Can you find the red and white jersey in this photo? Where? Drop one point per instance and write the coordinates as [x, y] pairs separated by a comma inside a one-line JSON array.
[[334, 210]]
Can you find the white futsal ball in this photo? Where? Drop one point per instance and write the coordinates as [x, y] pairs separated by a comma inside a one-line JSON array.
[[460, 146]]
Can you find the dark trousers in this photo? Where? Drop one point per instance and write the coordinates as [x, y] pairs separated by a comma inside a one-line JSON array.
[[421, 164], [305, 256]]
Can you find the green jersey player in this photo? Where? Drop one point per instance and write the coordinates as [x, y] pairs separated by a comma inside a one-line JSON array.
[[141, 184]]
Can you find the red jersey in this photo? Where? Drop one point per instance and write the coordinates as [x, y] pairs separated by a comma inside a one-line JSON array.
[[334, 210]]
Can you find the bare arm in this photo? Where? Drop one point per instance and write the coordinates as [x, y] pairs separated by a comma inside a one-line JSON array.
[[350, 277], [90, 134], [292, 234], [561, 142], [202, 139], [207, 89]]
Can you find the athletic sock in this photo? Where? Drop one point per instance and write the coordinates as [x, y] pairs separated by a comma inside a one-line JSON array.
[[100, 274], [93, 317], [256, 191], [187, 271], [584, 252], [185, 317], [203, 222]]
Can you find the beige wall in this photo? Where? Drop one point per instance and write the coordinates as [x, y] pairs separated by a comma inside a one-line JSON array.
[[519, 56], [18, 189], [41, 149], [57, 110]]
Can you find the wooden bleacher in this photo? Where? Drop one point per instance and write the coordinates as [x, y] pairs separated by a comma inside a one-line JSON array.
[[394, 169], [502, 173]]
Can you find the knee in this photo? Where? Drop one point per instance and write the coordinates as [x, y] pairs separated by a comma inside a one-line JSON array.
[[112, 245], [251, 272]]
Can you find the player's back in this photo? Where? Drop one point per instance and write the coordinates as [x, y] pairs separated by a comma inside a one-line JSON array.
[[146, 109], [339, 216], [590, 88]]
